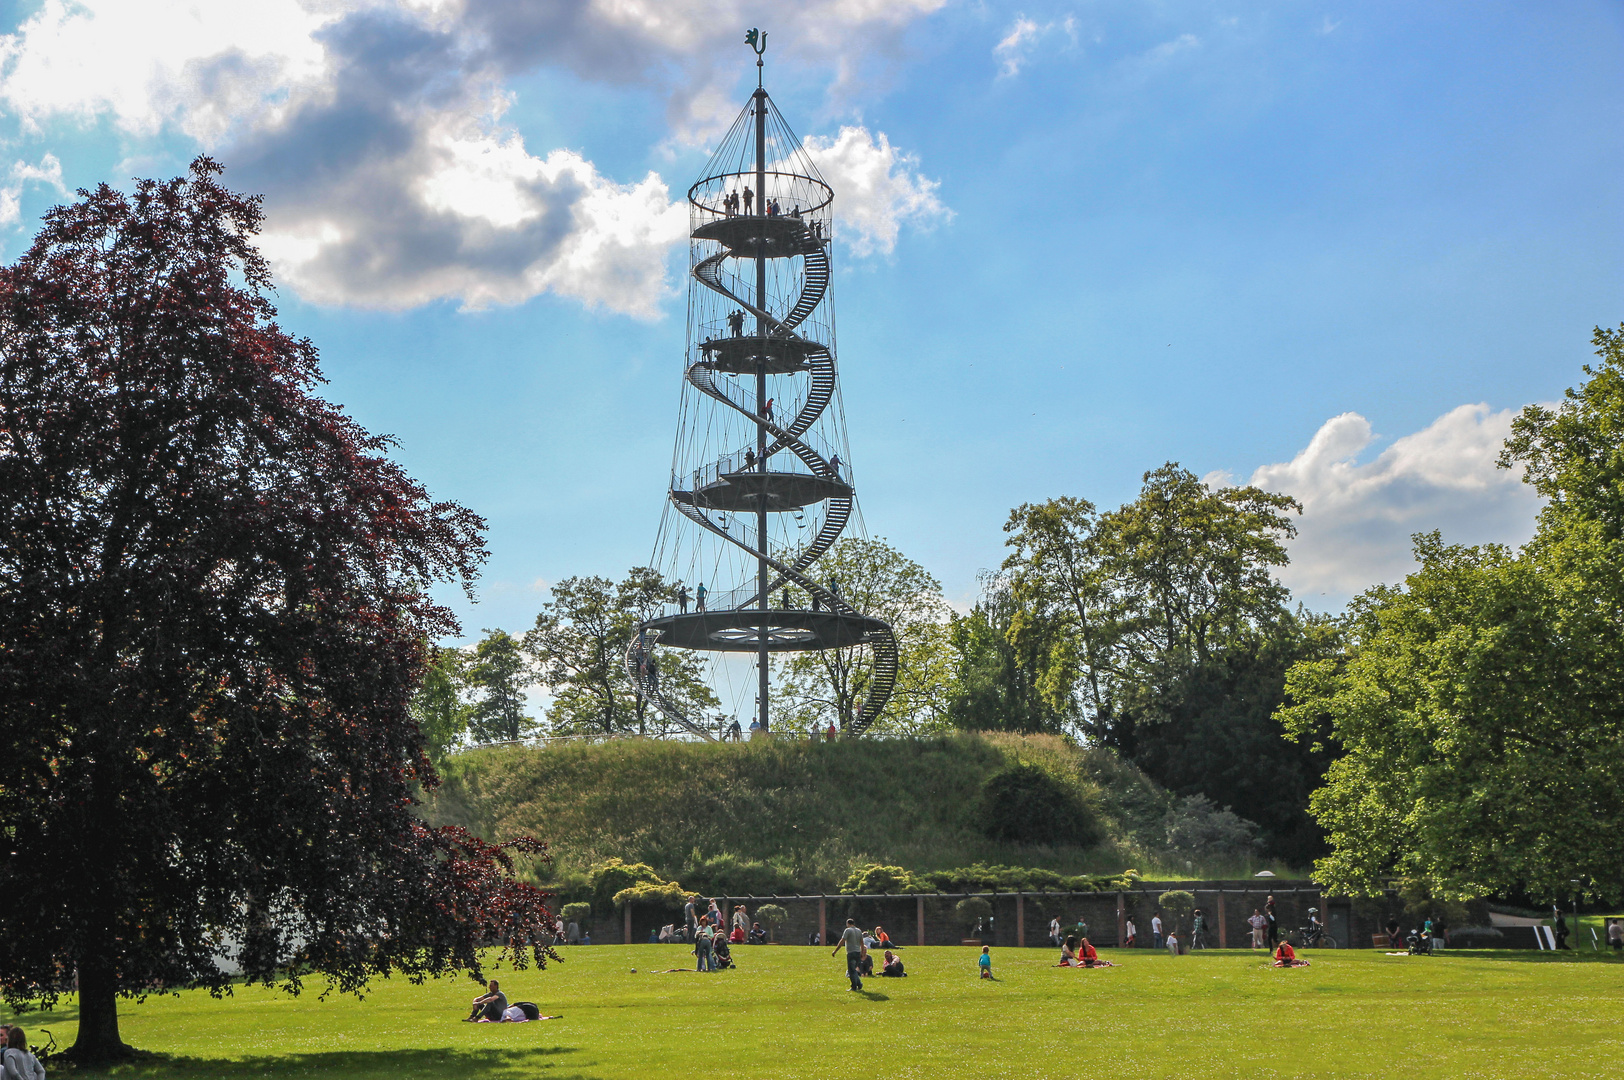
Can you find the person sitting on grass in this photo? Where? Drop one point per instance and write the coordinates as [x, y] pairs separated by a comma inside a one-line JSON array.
[[1068, 953], [758, 936], [892, 968], [1088, 958], [737, 936], [489, 1006], [865, 964], [985, 962], [882, 940], [1286, 957]]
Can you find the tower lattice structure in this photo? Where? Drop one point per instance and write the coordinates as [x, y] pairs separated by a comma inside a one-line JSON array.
[[761, 481]]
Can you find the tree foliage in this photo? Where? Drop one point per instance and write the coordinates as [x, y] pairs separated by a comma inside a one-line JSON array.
[[1011, 665], [214, 599], [438, 708], [817, 688], [1481, 704], [495, 673], [578, 648], [1159, 629]]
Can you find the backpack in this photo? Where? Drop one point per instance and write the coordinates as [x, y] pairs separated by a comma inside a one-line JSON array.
[[531, 1010]]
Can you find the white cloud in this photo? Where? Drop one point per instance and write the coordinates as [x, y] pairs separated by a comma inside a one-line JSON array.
[[199, 65], [48, 171], [1013, 49], [1169, 49], [877, 188], [374, 128], [1358, 518]]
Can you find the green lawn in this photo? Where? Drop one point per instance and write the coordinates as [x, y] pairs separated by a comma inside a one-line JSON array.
[[786, 1013]]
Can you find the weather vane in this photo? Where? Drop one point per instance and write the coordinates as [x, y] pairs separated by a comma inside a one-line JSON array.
[[757, 40]]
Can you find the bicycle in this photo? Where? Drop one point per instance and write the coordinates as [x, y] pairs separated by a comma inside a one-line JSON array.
[[1314, 936]]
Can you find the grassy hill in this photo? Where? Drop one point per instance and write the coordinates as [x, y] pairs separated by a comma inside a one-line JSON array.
[[801, 813]]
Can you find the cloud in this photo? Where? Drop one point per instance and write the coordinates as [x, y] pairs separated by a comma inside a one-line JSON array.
[[375, 128], [48, 171], [1013, 49], [877, 188], [1169, 49], [1358, 518]]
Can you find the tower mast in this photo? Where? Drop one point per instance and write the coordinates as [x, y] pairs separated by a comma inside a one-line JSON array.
[[762, 578]]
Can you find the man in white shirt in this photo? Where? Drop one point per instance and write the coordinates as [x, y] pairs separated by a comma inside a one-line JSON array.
[[1054, 931], [1257, 922], [1156, 931]]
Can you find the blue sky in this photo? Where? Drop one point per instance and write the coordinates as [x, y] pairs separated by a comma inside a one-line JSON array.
[[1329, 248]]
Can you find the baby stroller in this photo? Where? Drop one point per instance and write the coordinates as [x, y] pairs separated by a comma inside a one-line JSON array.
[[1419, 943], [722, 954]]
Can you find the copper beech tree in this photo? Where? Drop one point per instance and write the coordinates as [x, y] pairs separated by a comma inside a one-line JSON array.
[[214, 610]]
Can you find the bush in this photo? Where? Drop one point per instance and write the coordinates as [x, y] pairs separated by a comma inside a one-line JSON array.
[[774, 916], [613, 877], [875, 878], [730, 875], [971, 909], [1178, 903], [1196, 828], [667, 894], [1023, 804], [576, 913]]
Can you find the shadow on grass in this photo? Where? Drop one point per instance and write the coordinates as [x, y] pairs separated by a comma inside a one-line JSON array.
[[437, 1063], [875, 995]]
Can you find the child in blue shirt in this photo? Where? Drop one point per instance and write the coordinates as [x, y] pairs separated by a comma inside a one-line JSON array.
[[986, 962]]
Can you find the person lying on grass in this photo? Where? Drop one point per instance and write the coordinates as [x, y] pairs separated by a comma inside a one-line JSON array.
[[1285, 956]]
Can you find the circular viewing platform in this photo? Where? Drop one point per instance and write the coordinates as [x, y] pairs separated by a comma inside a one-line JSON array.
[[777, 355], [751, 234], [784, 491], [786, 631]]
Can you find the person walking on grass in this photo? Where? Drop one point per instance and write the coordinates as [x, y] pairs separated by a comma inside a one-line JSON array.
[[1257, 922], [985, 962], [852, 939], [1156, 930]]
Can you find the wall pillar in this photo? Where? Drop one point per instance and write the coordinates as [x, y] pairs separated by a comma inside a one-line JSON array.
[[919, 911], [823, 921], [1223, 922], [628, 937], [1020, 920], [1122, 922]]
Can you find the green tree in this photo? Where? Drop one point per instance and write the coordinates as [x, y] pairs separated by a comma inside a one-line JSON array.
[[578, 647], [1005, 679], [1481, 704], [1161, 626], [497, 674], [878, 580], [439, 707]]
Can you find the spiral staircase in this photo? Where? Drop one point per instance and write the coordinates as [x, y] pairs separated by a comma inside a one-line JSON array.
[[762, 257]]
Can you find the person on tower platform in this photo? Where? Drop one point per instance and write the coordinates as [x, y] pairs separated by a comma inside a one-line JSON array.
[[735, 323], [748, 195], [682, 599]]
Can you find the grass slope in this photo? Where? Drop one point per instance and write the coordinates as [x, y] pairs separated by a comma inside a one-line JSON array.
[[813, 807], [786, 1014]]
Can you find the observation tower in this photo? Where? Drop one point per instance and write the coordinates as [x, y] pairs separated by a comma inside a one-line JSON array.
[[762, 483]]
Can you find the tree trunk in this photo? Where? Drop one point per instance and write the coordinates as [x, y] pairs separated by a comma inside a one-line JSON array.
[[98, 1038]]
